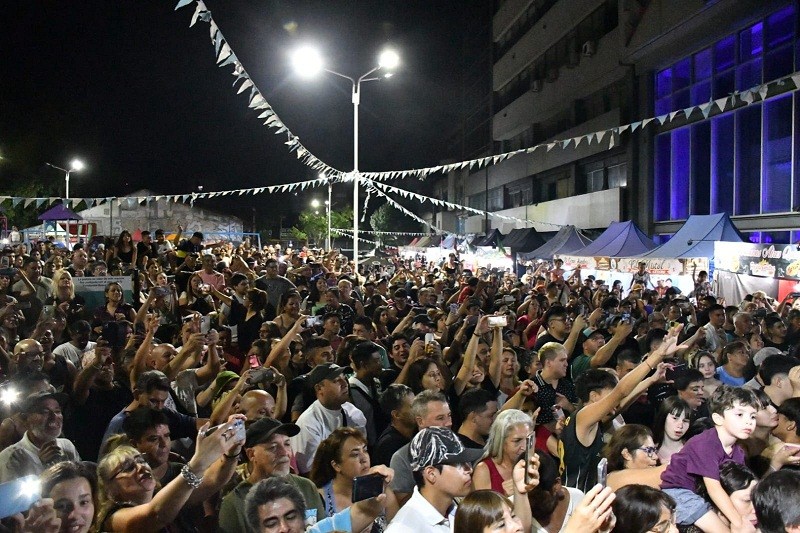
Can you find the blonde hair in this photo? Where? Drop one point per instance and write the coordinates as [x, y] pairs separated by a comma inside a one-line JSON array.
[[107, 465], [57, 275]]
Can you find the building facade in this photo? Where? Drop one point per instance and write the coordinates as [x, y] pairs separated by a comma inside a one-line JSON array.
[[564, 68]]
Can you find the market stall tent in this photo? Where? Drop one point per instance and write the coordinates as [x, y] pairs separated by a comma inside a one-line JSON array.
[[621, 239], [566, 241], [494, 239], [523, 240], [696, 238]]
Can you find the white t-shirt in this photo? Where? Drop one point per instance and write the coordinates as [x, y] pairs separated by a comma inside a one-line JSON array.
[[316, 424], [71, 353]]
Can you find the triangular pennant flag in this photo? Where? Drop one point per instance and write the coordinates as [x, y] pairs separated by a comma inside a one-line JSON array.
[[200, 8], [28, 202], [623, 129], [205, 16], [688, 111], [231, 59], [635, 125], [182, 3], [52, 200], [551, 146], [762, 91], [16, 200], [256, 100], [647, 121], [40, 202], [720, 103], [600, 135], [224, 52], [672, 115], [212, 30], [705, 109], [611, 142], [218, 40], [747, 96], [796, 80], [578, 141]]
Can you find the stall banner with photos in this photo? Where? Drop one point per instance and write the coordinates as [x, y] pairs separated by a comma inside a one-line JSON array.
[[765, 260]]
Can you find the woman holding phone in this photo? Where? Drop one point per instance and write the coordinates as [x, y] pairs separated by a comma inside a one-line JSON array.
[[340, 459], [506, 443]]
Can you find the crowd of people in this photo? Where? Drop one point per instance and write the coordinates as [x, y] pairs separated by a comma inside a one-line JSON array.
[[239, 388]]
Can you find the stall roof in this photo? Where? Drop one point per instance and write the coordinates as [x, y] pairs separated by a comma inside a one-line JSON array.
[[449, 242], [414, 241], [435, 240], [696, 238], [59, 212], [424, 242], [523, 240], [566, 241], [494, 238], [621, 239]]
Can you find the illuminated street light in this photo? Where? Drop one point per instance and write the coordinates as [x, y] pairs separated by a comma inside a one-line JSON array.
[[307, 63], [76, 165]]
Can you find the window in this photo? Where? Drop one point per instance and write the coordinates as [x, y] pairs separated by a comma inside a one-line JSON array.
[[618, 176], [595, 180], [742, 162]]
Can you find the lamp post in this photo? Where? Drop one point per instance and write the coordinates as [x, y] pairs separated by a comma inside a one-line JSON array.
[[315, 204], [308, 63], [76, 165]]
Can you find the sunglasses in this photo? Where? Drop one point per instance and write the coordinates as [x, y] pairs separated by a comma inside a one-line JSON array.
[[129, 465]]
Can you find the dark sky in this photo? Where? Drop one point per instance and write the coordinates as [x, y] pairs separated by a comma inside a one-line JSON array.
[[135, 92]]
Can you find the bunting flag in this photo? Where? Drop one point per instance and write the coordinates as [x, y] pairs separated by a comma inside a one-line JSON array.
[[225, 56], [349, 235], [144, 200], [742, 98]]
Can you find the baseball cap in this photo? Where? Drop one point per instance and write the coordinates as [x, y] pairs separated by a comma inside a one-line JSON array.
[[424, 319], [765, 352], [263, 429], [323, 372], [34, 400], [439, 446]]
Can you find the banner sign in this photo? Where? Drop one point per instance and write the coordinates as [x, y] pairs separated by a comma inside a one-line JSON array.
[[93, 288], [630, 265], [765, 260]]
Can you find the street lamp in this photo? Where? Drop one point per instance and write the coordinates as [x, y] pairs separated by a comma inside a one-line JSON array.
[[315, 204], [76, 165], [307, 63]]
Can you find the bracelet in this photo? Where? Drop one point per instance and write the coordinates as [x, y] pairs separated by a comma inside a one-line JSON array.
[[234, 456], [192, 479], [648, 365]]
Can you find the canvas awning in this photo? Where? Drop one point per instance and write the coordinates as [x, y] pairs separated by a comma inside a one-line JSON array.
[[696, 238], [59, 212], [523, 240], [621, 239], [494, 239], [566, 241]]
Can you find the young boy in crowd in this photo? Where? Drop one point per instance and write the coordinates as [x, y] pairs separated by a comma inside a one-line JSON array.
[[733, 410]]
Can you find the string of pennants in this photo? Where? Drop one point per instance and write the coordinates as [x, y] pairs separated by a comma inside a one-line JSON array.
[[186, 197], [737, 99], [349, 235], [226, 56], [393, 233], [442, 203]]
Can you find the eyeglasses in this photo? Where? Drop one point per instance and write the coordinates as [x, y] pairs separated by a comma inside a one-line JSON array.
[[649, 450], [129, 465]]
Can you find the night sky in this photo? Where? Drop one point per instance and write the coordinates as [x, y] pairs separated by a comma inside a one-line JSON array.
[[133, 91]]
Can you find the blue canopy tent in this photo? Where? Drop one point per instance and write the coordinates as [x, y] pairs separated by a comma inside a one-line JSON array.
[[621, 239], [449, 242], [696, 238], [566, 241]]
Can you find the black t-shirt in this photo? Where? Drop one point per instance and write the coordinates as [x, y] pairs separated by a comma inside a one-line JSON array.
[[468, 442], [547, 337], [86, 426], [389, 442]]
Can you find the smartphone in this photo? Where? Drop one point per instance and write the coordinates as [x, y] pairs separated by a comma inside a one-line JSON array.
[[313, 321], [162, 291], [626, 317], [239, 430], [365, 487], [530, 448], [262, 375], [254, 362], [675, 371], [429, 338], [205, 325], [602, 471], [17, 496], [498, 321], [454, 308], [509, 299]]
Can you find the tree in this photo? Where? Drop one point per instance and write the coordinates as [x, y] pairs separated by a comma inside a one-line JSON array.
[[387, 218]]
